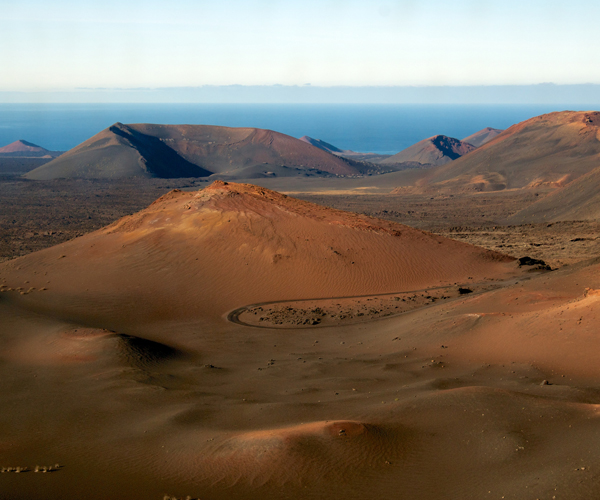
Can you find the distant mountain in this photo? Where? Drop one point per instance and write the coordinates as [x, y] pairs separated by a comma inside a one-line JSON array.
[[483, 136], [23, 148], [318, 143], [168, 151], [436, 150], [546, 151], [345, 153]]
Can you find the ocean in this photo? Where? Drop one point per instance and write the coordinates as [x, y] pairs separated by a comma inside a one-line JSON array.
[[383, 129]]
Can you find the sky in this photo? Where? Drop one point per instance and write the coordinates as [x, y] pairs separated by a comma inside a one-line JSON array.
[[64, 44]]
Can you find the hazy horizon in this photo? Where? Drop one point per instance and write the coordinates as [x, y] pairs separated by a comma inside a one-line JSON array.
[[546, 93]]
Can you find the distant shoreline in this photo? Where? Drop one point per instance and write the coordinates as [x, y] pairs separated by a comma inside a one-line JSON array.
[[542, 93], [364, 128]]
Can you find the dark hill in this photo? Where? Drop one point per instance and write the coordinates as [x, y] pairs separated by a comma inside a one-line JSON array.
[[436, 150]]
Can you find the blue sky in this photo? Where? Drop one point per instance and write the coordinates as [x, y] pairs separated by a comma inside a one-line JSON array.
[[64, 44]]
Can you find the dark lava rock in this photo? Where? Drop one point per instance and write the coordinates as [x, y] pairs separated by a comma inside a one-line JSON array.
[[535, 264]]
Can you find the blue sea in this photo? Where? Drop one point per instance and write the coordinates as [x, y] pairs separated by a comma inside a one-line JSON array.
[[376, 128]]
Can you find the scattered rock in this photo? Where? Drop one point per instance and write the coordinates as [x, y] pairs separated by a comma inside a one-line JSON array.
[[535, 264]]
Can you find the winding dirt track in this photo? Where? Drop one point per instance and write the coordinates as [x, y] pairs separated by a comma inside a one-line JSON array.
[[476, 289]]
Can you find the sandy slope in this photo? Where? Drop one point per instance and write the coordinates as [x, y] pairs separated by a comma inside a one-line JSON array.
[[125, 372], [577, 200], [548, 150], [204, 253]]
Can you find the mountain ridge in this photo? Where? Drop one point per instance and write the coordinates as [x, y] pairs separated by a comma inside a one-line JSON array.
[[153, 150], [546, 151]]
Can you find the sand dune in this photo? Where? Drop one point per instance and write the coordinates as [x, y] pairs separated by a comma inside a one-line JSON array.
[[167, 151], [79, 344], [311, 452], [436, 150]]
